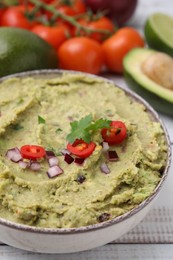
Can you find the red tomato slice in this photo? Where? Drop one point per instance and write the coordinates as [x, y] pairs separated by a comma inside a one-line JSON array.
[[32, 152], [115, 134], [81, 148]]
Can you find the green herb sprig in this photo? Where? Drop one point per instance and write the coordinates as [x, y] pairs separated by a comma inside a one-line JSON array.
[[85, 127]]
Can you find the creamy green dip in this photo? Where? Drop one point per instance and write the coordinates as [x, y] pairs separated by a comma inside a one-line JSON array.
[[31, 197]]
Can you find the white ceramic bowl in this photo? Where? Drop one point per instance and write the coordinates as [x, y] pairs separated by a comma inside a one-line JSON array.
[[64, 240]]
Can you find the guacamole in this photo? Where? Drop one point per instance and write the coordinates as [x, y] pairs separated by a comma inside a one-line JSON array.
[[40, 111]]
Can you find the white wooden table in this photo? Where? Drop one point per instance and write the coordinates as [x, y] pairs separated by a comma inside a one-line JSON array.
[[153, 237]]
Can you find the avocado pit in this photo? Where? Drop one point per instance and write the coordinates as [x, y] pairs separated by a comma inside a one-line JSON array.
[[159, 68]]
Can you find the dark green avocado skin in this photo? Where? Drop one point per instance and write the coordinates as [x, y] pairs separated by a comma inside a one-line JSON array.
[[159, 104]]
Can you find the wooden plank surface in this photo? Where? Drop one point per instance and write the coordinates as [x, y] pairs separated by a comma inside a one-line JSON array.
[[108, 252]]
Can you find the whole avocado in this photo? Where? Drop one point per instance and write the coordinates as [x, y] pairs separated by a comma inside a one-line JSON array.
[[22, 50]]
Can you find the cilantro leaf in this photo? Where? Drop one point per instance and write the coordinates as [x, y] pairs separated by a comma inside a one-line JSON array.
[[41, 120], [58, 130], [99, 124], [84, 128], [78, 129]]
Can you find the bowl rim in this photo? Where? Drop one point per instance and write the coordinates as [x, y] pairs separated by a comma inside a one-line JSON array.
[[116, 220]]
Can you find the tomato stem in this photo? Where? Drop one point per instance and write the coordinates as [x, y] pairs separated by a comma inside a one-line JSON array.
[[7, 3], [72, 20]]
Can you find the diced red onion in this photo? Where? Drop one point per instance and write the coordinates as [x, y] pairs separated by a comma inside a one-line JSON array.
[[70, 118], [104, 168], [14, 155], [113, 156], [79, 160], [23, 164], [53, 161], [124, 147], [49, 154], [54, 171], [35, 166], [105, 146], [65, 151], [68, 158]]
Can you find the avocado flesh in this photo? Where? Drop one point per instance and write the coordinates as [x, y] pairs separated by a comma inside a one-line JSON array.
[[158, 97]]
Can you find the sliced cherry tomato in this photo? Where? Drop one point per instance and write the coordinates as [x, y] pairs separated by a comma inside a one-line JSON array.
[[115, 134], [118, 45], [81, 148], [82, 54], [55, 36], [32, 152]]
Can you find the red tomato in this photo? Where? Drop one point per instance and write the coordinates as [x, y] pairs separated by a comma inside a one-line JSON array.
[[115, 134], [28, 2], [25, 3], [2, 10], [82, 54], [47, 1], [32, 152], [102, 23], [118, 45], [55, 36], [72, 7], [64, 9], [15, 16], [79, 7], [81, 148], [67, 10]]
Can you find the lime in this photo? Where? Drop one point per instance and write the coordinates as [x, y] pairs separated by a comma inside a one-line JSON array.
[[159, 32], [22, 50]]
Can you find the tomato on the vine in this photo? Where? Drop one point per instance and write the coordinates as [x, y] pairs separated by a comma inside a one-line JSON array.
[[15, 16], [118, 45], [82, 54], [102, 23], [78, 6], [115, 134], [62, 8], [55, 36], [81, 148], [2, 10], [32, 152], [66, 10], [47, 1], [69, 7]]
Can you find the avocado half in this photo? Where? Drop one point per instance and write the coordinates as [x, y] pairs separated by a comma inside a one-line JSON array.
[[158, 96]]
